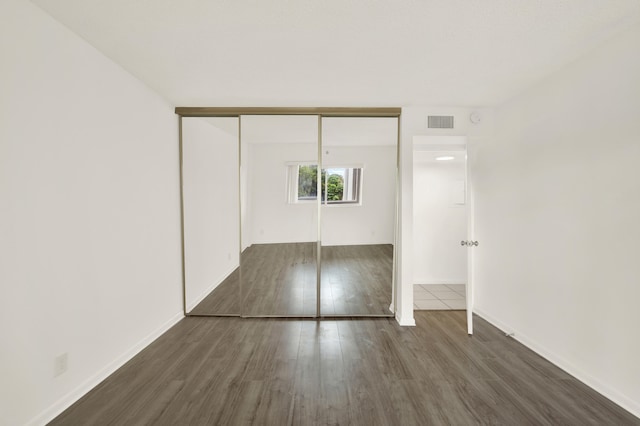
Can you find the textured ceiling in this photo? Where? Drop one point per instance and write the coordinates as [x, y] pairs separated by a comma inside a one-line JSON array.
[[342, 52]]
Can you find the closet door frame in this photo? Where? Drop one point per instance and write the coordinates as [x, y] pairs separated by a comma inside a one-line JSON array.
[[320, 112]]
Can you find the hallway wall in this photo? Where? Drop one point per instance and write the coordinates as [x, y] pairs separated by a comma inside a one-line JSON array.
[[89, 215], [440, 222], [557, 201]]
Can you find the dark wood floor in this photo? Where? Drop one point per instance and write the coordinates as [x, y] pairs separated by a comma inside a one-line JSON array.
[[281, 279], [230, 371], [224, 299], [356, 280]]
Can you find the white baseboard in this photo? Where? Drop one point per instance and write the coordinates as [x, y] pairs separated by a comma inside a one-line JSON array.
[[605, 390], [406, 321], [69, 399]]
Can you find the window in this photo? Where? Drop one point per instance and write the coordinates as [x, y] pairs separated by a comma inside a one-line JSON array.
[[340, 185], [307, 179]]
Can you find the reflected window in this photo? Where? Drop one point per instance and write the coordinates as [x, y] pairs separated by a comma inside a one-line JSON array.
[[339, 185], [307, 182]]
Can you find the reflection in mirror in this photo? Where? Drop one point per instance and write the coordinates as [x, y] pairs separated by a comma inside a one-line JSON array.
[[279, 215], [359, 162], [211, 215]]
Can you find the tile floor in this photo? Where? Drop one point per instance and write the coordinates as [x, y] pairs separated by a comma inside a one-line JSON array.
[[439, 297]]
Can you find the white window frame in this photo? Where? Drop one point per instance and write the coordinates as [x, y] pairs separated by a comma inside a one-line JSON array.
[[350, 186]]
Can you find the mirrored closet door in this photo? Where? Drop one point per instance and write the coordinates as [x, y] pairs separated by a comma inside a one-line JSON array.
[[289, 214], [359, 166], [211, 215], [279, 181]]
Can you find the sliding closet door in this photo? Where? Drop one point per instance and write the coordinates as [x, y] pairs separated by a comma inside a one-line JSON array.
[[211, 215], [359, 166], [279, 215]]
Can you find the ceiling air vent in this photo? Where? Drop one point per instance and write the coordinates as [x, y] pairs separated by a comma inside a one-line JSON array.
[[440, 122]]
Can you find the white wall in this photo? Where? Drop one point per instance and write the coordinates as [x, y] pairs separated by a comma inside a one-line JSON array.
[[211, 204], [245, 197], [373, 221], [271, 143], [272, 218], [440, 222], [89, 215], [557, 216], [275, 220]]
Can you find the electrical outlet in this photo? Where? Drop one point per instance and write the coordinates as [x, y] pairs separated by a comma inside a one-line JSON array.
[[60, 364]]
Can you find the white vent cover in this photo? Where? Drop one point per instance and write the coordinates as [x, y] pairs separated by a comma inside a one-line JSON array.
[[440, 121]]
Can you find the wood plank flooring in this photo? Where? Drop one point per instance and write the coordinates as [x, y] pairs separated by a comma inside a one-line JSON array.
[[356, 280], [231, 371], [280, 279]]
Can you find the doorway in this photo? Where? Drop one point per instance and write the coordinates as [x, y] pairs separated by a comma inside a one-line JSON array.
[[440, 223]]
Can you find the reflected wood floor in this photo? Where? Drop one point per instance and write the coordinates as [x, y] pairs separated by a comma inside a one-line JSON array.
[[281, 279], [231, 371], [356, 280], [223, 300]]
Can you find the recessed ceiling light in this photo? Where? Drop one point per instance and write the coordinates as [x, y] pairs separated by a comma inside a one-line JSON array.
[[445, 158]]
